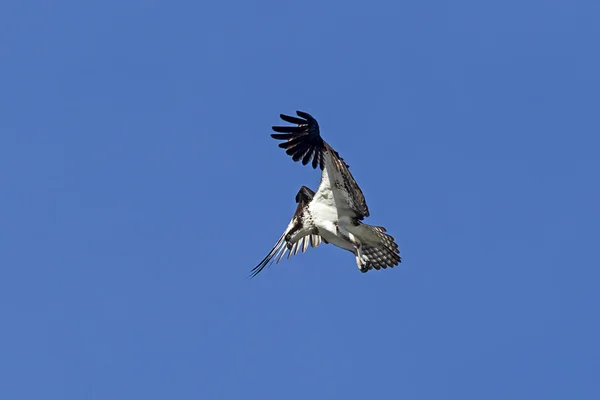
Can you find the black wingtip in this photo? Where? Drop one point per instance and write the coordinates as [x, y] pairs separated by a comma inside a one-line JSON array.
[[303, 141], [282, 136], [305, 115], [262, 265], [254, 272], [292, 120], [287, 129]]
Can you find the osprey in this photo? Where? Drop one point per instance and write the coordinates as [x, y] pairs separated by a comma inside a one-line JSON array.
[[334, 213]]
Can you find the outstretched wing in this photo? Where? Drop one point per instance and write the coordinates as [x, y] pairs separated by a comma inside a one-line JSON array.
[[284, 244], [304, 143]]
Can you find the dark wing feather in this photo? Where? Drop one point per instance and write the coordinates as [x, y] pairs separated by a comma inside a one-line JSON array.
[[303, 143]]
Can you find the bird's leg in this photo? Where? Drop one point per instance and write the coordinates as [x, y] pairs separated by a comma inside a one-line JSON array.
[[362, 261]]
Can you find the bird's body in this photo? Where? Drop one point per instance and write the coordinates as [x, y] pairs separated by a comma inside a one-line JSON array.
[[335, 212]]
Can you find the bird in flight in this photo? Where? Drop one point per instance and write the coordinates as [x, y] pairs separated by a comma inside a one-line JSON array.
[[334, 213]]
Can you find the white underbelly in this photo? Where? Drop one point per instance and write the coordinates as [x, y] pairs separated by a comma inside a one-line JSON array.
[[337, 241], [323, 211], [325, 219], [325, 215]]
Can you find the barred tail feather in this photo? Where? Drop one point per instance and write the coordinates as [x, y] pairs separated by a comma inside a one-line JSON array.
[[383, 254]]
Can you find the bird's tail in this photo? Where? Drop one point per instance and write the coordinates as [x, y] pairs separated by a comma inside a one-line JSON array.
[[382, 252]]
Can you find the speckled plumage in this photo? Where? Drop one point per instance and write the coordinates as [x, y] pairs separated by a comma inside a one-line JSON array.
[[334, 213]]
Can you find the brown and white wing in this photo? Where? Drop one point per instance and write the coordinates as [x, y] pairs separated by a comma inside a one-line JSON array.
[[304, 143], [283, 245]]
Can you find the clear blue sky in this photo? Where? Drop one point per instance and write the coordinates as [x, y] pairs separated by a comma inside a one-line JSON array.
[[140, 186]]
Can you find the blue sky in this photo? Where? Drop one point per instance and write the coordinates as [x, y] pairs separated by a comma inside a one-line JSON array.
[[141, 186]]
